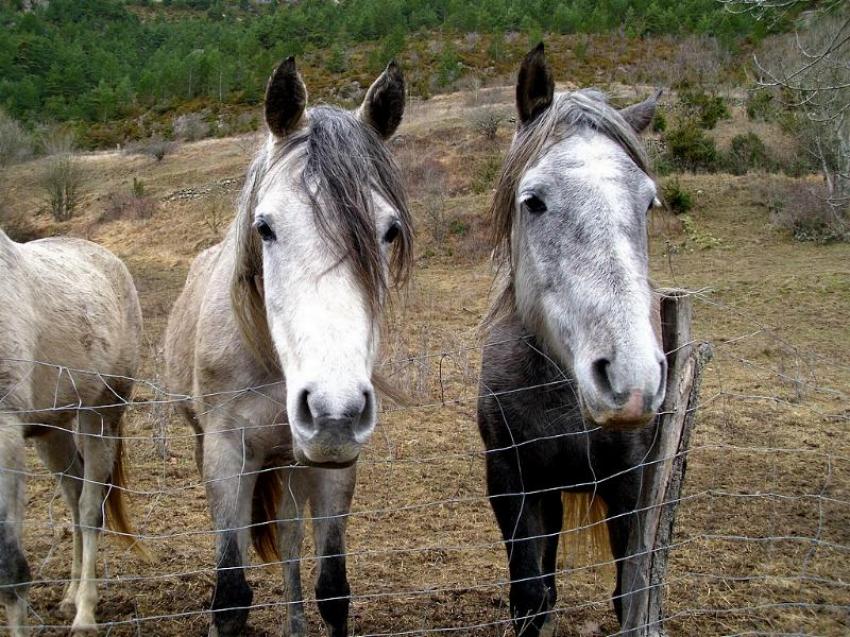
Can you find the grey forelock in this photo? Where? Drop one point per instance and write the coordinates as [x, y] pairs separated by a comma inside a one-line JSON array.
[[590, 108]]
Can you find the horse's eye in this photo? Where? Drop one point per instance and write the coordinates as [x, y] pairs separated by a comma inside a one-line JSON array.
[[392, 232], [264, 230], [535, 204]]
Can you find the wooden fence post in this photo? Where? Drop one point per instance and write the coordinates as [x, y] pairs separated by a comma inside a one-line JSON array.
[[664, 472]]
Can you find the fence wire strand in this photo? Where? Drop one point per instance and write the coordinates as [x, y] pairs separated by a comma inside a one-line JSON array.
[[761, 544]]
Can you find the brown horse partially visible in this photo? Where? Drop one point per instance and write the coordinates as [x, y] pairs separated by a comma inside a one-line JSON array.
[[70, 328], [295, 291]]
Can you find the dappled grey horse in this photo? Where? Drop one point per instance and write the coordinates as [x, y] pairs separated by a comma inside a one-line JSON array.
[[572, 372], [275, 336], [70, 329]]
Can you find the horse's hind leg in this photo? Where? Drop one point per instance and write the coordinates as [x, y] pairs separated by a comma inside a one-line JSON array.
[[14, 570], [58, 452], [330, 503], [290, 535]]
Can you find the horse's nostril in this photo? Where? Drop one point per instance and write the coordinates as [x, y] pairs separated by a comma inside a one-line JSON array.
[[600, 369], [366, 422], [303, 414]]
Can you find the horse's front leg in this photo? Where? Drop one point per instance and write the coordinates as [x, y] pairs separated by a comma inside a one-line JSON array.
[[230, 473], [58, 451], [14, 570], [519, 518], [625, 527], [330, 496], [99, 451], [290, 535]]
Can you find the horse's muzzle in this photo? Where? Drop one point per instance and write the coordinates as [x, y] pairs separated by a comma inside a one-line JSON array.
[[604, 403], [329, 431], [332, 443]]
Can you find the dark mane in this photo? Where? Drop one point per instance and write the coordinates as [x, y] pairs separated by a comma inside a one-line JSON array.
[[344, 162]]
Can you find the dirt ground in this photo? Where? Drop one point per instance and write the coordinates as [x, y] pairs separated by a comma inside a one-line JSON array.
[[763, 531]]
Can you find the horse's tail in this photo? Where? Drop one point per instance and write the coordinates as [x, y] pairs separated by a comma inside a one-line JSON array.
[[585, 534], [117, 513], [268, 492]]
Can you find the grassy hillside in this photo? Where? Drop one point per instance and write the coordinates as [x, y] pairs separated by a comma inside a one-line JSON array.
[[123, 70]]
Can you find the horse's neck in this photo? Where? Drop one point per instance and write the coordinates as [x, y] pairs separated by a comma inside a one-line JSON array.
[[526, 353]]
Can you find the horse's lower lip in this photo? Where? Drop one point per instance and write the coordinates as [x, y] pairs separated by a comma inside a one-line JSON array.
[[327, 465], [302, 459], [613, 420]]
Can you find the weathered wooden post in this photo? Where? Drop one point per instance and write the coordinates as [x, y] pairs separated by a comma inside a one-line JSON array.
[[664, 470]]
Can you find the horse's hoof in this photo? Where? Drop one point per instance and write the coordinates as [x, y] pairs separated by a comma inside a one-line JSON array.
[[225, 631], [548, 629], [67, 608], [84, 630]]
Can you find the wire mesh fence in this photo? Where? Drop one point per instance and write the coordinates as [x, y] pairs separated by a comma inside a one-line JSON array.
[[760, 546]]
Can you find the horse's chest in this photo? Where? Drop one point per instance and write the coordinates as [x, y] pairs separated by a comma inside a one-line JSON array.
[[557, 447]]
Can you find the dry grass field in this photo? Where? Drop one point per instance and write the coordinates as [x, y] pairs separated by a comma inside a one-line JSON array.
[[763, 530]]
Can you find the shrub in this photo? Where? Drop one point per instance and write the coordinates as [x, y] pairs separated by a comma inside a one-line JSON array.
[[659, 122], [806, 213], [138, 188], [155, 147], [15, 143], [699, 238], [449, 67], [62, 178], [486, 121], [216, 215], [678, 200], [706, 109], [434, 206], [658, 159], [486, 173], [689, 148], [760, 105], [747, 152], [337, 61], [190, 127], [458, 227], [129, 205]]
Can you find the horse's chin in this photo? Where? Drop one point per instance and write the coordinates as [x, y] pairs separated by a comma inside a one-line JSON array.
[[302, 459]]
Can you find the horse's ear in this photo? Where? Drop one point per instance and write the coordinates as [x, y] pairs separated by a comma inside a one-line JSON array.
[[383, 106], [640, 115], [535, 87], [286, 99]]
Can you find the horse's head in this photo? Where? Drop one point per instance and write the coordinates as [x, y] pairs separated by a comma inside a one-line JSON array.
[[324, 236], [570, 214]]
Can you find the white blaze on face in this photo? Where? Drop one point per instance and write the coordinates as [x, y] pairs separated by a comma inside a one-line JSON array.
[[320, 322], [581, 271]]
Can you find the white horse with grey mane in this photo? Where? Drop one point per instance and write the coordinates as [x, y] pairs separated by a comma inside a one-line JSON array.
[[275, 337], [70, 328]]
